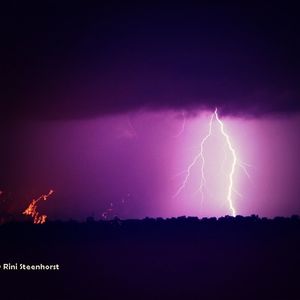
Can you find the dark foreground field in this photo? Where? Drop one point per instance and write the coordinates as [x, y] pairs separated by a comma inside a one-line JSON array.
[[183, 258]]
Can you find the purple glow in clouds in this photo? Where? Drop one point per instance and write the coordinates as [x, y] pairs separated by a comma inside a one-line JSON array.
[[135, 164]]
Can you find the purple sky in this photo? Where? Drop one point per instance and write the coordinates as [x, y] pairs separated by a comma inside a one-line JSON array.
[[134, 161], [94, 95]]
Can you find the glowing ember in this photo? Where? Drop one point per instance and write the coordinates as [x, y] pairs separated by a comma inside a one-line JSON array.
[[31, 210], [108, 212]]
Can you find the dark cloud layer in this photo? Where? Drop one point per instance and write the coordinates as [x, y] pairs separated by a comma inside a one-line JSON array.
[[83, 59]]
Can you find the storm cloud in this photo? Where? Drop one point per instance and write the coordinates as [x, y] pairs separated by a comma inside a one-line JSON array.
[[85, 59]]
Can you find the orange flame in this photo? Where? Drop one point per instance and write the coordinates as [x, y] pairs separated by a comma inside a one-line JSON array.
[[31, 210]]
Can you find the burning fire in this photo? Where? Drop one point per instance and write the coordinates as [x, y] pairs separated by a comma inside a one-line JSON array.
[[31, 210]]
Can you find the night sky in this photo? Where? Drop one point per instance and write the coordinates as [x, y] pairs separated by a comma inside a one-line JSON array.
[[107, 105]]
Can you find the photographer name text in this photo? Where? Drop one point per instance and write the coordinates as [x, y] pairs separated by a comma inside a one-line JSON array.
[[28, 267]]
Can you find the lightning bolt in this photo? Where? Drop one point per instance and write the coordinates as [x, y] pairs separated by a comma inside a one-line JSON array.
[[200, 157], [182, 126], [31, 210], [195, 160], [233, 165]]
